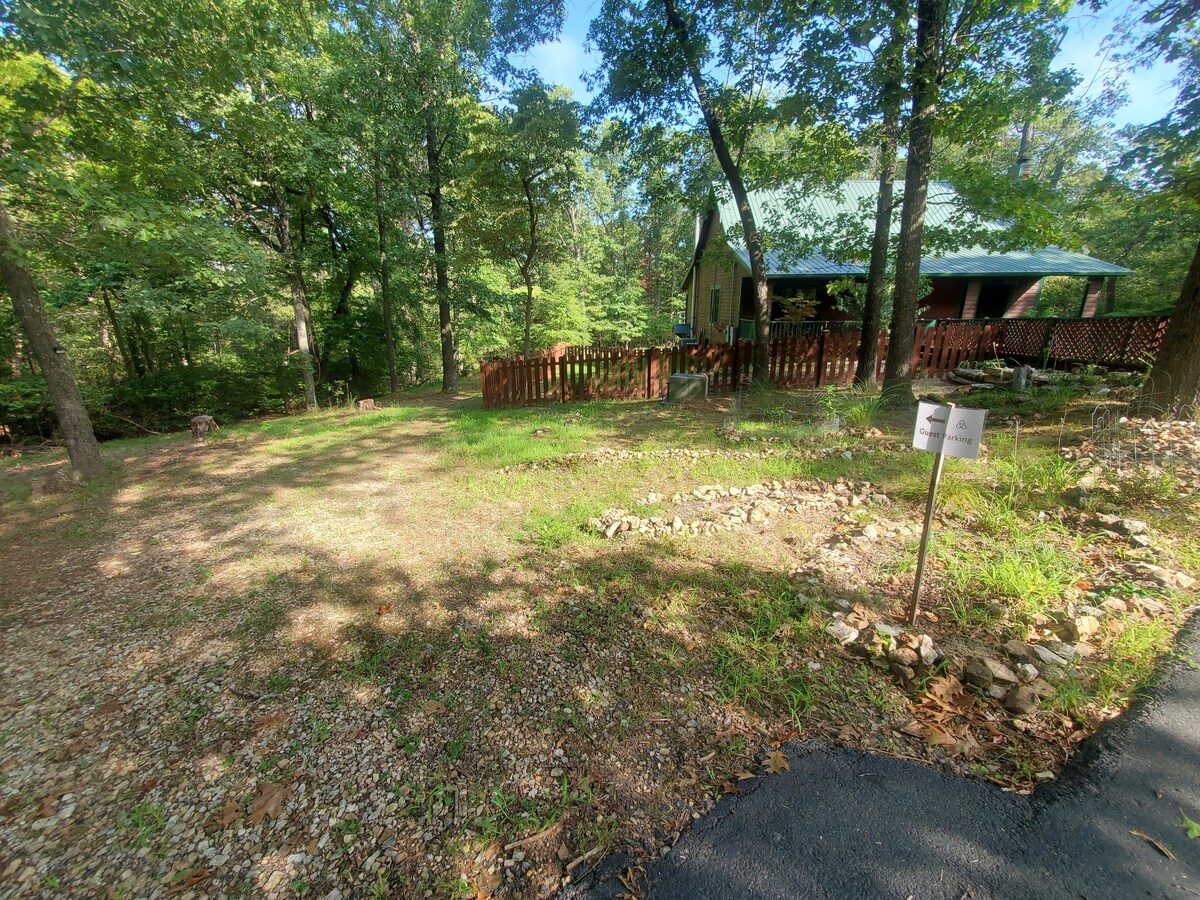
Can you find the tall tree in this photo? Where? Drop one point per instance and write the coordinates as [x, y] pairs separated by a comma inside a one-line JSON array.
[[73, 418], [889, 89], [1172, 147], [654, 60], [526, 172], [926, 78], [988, 58]]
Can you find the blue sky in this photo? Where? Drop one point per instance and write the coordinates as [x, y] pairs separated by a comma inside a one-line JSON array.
[[1150, 91]]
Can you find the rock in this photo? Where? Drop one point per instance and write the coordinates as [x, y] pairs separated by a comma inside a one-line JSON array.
[[1047, 656], [1114, 605], [869, 532], [996, 672], [1042, 688], [1026, 673], [903, 656], [847, 455], [841, 632], [904, 673], [1078, 628], [757, 515], [929, 653], [1153, 608], [892, 631], [1131, 527], [1094, 611], [612, 529], [1179, 581], [978, 673], [1069, 652], [1020, 651], [1020, 700], [1043, 776]]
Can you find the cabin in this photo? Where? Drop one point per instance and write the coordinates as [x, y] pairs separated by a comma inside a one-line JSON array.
[[966, 283]]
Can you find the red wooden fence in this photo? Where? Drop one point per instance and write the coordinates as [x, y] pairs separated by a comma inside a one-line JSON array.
[[564, 374]]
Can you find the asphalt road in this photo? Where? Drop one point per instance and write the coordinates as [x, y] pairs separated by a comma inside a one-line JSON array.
[[846, 824]]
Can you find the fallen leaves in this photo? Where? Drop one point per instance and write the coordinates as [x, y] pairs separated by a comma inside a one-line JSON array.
[[860, 617], [939, 712], [776, 762], [230, 813], [267, 721], [272, 797], [434, 708], [385, 608], [190, 880]]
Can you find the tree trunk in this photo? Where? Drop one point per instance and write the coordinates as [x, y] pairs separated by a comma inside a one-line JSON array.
[[528, 307], [185, 341], [119, 334], [891, 98], [433, 156], [898, 373], [868, 347], [299, 293], [1173, 385], [754, 245], [1110, 295], [73, 418], [385, 296], [141, 340], [530, 254]]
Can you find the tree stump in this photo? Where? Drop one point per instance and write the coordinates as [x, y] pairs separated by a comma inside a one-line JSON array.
[[368, 405]]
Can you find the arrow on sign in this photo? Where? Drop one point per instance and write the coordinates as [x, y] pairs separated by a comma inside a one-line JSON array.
[[931, 420]]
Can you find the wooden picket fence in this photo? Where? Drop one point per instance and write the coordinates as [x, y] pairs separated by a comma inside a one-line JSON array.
[[569, 374]]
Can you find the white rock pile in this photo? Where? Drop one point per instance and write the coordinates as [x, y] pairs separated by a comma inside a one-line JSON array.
[[724, 508]]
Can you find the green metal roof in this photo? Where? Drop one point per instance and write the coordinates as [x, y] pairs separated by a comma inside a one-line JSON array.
[[808, 216]]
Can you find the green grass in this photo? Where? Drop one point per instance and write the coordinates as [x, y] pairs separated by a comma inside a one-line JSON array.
[[1029, 576], [146, 824], [756, 662]]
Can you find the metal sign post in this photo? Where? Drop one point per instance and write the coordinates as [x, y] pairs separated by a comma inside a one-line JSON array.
[[946, 431]]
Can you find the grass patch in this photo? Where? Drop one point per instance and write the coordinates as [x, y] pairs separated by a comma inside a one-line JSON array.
[[756, 660], [1029, 576]]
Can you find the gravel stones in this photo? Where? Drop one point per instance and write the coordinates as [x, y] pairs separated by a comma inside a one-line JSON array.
[[713, 508]]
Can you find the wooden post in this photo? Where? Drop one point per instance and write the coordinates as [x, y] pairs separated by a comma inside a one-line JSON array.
[[822, 340], [930, 502]]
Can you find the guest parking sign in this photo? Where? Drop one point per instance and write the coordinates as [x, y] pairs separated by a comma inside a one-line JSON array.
[[951, 430], [947, 431]]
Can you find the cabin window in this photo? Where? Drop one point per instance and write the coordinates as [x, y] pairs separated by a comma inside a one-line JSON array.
[[714, 305]]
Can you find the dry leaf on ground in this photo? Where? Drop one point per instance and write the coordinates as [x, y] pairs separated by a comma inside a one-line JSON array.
[[231, 812], [269, 802], [776, 762]]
